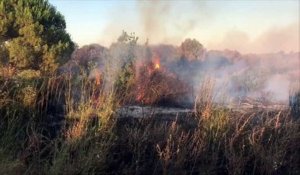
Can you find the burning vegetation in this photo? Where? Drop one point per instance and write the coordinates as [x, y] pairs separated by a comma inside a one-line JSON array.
[[138, 108], [157, 85], [169, 75]]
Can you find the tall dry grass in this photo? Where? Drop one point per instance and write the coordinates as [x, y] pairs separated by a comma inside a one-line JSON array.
[[68, 125]]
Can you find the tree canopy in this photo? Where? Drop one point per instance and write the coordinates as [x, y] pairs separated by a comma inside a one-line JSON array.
[[191, 49], [33, 35]]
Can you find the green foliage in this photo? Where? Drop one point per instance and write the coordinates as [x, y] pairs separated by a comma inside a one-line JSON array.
[[3, 55], [126, 76], [33, 34]]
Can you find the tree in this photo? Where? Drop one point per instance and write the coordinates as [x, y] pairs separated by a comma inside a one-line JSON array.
[[33, 34], [192, 49], [124, 57]]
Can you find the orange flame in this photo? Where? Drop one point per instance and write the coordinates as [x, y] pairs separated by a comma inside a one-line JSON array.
[[156, 65], [98, 78], [156, 62]]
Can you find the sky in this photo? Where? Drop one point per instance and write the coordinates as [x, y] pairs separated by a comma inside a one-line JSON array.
[[257, 26]]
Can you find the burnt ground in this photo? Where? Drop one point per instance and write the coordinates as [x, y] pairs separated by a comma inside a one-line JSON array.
[[150, 111]]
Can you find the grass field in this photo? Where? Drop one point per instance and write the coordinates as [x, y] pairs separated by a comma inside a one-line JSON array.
[[62, 125]]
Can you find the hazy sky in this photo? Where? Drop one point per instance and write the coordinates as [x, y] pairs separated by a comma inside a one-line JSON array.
[[247, 26]]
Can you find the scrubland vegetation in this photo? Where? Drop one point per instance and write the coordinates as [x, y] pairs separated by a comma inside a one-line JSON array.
[[43, 131], [60, 115]]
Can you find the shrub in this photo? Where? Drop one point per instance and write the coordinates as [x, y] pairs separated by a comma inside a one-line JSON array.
[[294, 103]]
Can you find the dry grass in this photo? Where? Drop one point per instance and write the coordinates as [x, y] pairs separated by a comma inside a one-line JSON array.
[[90, 140]]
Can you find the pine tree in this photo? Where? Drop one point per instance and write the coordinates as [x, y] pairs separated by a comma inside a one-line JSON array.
[[32, 33]]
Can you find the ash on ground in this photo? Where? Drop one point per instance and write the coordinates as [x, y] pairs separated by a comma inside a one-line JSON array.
[[151, 111]]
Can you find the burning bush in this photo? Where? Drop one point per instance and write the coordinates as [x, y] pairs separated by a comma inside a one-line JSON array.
[[156, 85]]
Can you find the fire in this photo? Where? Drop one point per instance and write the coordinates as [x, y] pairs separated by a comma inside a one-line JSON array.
[[156, 65], [155, 84], [98, 78], [156, 61]]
